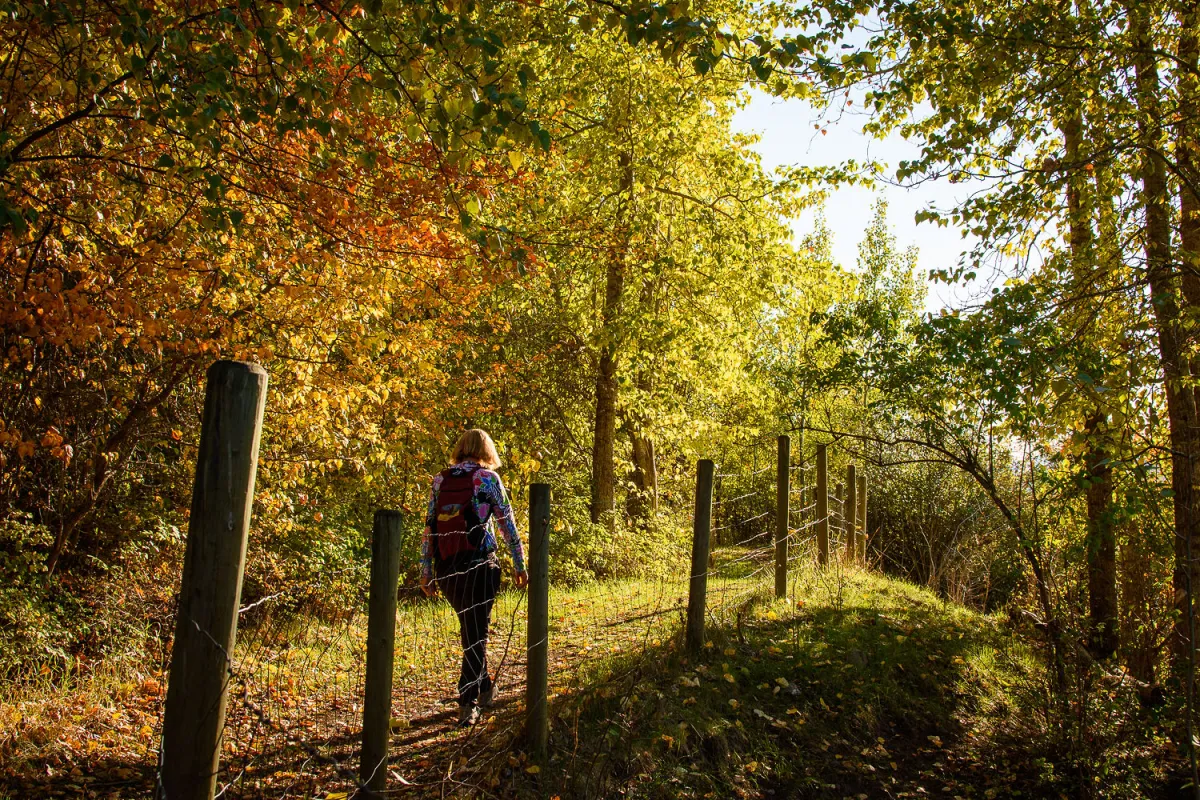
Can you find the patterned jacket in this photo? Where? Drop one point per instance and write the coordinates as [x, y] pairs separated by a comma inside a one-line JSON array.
[[491, 504]]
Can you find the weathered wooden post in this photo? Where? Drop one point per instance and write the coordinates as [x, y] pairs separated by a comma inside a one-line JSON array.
[[862, 519], [822, 505], [701, 530], [801, 464], [839, 494], [537, 710], [381, 648], [851, 514], [206, 623], [783, 477]]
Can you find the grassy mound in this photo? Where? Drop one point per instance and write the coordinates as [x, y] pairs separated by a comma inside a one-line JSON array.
[[858, 687]]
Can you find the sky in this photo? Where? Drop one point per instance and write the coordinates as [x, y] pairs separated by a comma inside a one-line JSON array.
[[788, 138]]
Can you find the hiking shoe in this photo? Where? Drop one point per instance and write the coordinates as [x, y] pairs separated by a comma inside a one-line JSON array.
[[468, 716], [487, 698]]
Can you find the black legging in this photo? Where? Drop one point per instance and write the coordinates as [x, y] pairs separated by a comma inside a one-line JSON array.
[[471, 589]]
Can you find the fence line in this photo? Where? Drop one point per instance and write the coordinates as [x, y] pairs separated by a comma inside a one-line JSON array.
[[304, 671]]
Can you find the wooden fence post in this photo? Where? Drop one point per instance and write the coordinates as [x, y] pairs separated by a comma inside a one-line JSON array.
[[839, 494], [851, 514], [701, 530], [537, 711], [206, 623], [783, 477], [822, 505], [862, 519], [801, 464], [381, 648]]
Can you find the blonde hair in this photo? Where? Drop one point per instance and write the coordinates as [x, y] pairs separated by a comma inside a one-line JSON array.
[[476, 445]]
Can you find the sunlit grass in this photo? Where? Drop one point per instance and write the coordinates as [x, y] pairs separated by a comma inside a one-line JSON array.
[[800, 694], [855, 652]]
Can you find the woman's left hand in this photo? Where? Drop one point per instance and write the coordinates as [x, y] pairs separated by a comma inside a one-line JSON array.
[[521, 579]]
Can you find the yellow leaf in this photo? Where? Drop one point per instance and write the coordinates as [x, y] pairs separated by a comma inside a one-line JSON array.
[[337, 796], [729, 651], [516, 158], [752, 766], [533, 769], [782, 682]]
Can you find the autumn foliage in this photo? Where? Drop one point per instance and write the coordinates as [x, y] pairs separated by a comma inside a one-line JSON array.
[[541, 219], [183, 183]]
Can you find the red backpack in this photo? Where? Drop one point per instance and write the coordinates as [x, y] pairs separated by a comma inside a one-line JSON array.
[[456, 526]]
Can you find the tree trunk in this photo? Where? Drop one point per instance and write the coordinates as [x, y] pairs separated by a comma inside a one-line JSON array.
[[1136, 601], [1101, 546], [1164, 295], [643, 500], [603, 455], [604, 439], [1186, 130]]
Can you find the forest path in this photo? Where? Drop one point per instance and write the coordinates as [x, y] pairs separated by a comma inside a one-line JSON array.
[[855, 686]]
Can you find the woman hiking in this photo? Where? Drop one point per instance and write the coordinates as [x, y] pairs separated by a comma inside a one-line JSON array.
[[458, 556]]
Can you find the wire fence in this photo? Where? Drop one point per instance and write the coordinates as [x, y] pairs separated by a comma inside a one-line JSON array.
[[296, 684], [296, 692]]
